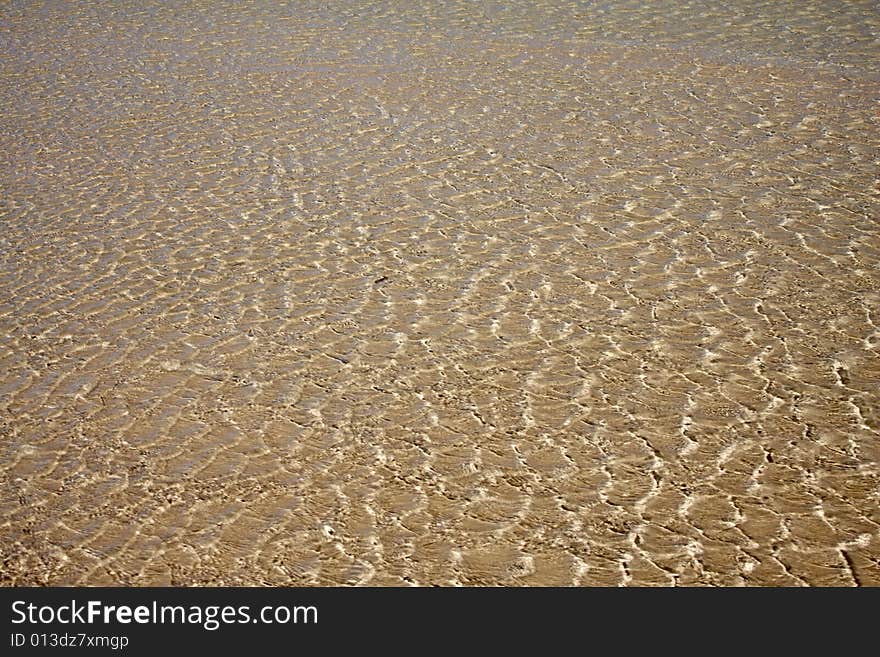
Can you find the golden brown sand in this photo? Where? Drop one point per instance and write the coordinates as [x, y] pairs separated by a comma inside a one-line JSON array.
[[457, 294]]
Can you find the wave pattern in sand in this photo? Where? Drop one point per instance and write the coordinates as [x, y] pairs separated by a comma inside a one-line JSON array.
[[393, 295]]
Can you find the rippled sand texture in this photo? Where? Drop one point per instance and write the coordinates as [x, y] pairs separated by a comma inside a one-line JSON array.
[[482, 294]]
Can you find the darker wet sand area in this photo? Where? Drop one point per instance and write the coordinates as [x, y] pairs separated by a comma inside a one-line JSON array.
[[389, 294]]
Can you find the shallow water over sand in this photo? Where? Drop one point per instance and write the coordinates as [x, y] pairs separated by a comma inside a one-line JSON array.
[[517, 293]]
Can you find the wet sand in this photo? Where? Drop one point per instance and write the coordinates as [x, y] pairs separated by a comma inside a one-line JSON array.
[[517, 294]]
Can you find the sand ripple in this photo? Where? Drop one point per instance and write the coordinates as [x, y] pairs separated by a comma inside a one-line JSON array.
[[530, 294]]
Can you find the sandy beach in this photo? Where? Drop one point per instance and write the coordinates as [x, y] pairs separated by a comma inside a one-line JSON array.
[[395, 293]]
